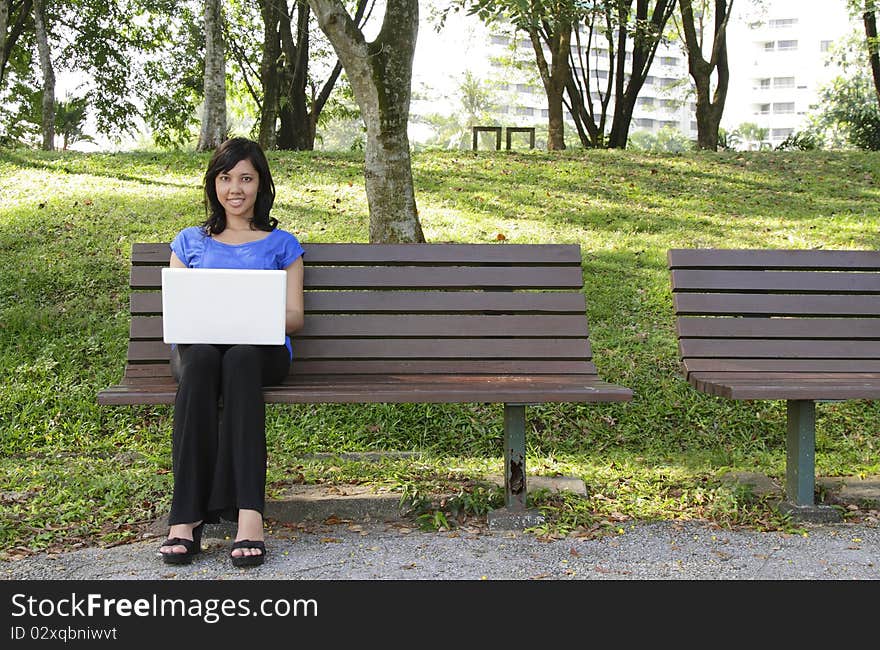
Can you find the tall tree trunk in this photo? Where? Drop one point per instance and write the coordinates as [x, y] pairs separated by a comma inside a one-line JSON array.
[[48, 101], [380, 73], [869, 17], [295, 131], [555, 75], [646, 37], [4, 27], [270, 73], [710, 104], [213, 129]]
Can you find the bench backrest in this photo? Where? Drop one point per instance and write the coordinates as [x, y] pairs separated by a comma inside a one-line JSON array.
[[782, 311], [413, 308]]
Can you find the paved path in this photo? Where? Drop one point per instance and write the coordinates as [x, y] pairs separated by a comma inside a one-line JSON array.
[[394, 551]]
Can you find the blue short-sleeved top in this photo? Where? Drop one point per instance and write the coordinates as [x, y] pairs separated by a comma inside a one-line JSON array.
[[278, 250]]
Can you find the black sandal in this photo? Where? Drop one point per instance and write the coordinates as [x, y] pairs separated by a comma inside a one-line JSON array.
[[248, 560], [193, 547]]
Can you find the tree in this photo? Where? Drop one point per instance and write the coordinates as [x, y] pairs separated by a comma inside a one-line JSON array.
[[15, 18], [848, 114], [48, 71], [646, 31], [710, 104], [213, 128], [70, 117], [380, 73], [549, 25], [292, 91], [868, 11], [626, 34]]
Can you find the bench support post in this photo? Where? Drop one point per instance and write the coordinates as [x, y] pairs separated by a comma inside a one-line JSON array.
[[800, 464], [514, 515]]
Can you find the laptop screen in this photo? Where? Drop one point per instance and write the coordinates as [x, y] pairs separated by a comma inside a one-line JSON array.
[[223, 306]]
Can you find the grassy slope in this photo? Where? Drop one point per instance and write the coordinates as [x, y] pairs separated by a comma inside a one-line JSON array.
[[73, 473]]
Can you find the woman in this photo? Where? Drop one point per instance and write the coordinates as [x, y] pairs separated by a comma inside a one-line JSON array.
[[219, 462]]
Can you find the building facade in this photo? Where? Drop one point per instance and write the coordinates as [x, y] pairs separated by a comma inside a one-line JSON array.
[[778, 55]]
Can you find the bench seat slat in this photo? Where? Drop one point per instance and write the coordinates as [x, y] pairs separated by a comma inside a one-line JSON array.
[[778, 365], [426, 302], [408, 277], [718, 258], [765, 327], [736, 304], [431, 348], [775, 281], [162, 370], [780, 348], [767, 386], [328, 325], [404, 389], [388, 254]]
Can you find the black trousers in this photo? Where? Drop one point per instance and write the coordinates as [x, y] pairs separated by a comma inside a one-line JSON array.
[[219, 454]]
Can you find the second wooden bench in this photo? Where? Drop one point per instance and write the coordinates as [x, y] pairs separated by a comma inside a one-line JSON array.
[[795, 325]]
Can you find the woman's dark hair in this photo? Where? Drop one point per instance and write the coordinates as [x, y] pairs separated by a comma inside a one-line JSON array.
[[227, 156]]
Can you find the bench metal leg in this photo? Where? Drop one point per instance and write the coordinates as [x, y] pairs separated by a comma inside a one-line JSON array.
[[514, 515], [800, 465]]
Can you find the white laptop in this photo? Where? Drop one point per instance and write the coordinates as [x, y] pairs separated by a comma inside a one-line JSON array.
[[223, 306]]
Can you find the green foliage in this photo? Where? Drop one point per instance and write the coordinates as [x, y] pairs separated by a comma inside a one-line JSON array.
[[73, 472], [667, 139], [847, 114]]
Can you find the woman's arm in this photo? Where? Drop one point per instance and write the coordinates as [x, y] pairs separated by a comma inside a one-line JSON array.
[[295, 307], [175, 262]]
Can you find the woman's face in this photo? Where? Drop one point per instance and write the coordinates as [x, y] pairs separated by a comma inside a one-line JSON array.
[[237, 190]]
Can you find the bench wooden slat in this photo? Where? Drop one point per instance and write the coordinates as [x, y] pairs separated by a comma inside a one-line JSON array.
[[810, 328], [162, 370], [775, 281], [406, 389], [392, 254], [488, 348], [717, 258], [722, 364], [413, 302], [328, 325], [734, 304], [409, 277], [780, 348]]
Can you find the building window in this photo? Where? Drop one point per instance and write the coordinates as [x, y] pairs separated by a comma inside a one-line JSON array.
[[763, 109], [825, 46], [645, 122], [523, 88], [649, 80], [764, 84], [498, 39], [525, 110], [782, 23], [783, 108], [668, 60], [783, 82], [769, 46], [545, 112], [788, 45], [693, 125], [781, 134], [646, 102]]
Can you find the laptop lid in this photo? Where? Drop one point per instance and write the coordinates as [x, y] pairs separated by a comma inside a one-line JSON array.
[[223, 306]]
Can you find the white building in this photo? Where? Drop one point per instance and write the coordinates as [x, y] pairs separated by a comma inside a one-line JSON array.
[[778, 62], [778, 54]]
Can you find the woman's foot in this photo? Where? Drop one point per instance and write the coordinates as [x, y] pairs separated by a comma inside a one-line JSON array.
[[184, 541], [249, 548]]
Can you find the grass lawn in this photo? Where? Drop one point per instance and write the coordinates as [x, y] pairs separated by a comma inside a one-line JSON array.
[[73, 473]]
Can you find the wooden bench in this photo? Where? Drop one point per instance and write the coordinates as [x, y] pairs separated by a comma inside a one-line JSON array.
[[413, 323], [795, 325]]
